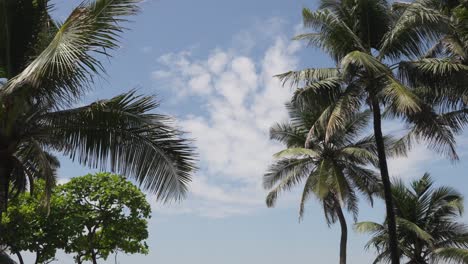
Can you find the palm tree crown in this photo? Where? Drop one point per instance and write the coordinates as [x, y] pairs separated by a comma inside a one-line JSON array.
[[333, 170], [47, 67], [427, 222]]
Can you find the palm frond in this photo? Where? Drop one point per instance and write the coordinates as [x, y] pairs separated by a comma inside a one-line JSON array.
[[282, 168], [295, 78], [452, 255], [368, 227], [290, 135], [416, 27], [308, 190], [62, 71], [334, 36], [359, 59], [121, 134], [401, 98], [296, 152], [293, 178], [413, 228]]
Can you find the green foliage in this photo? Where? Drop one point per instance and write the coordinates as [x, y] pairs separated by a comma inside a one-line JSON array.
[[112, 213], [29, 226], [91, 216], [427, 222]]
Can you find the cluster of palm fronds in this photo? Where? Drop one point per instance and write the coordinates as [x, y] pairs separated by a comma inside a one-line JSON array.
[[47, 67], [393, 60]]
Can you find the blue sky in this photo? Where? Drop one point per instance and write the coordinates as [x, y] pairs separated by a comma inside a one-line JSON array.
[[212, 63]]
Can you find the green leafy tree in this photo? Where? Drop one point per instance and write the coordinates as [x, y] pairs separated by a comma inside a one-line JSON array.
[[333, 170], [110, 213], [428, 225], [30, 226], [377, 50], [45, 68]]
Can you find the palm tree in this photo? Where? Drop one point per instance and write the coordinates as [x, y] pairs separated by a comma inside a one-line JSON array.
[[333, 170], [376, 49], [427, 225], [46, 67]]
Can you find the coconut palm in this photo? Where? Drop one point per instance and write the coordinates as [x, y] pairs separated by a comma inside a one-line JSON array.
[[376, 49], [333, 171], [46, 67], [427, 224]]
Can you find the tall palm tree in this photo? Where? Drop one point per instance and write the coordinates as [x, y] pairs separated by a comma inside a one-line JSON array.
[[46, 67], [333, 170], [427, 224], [374, 48]]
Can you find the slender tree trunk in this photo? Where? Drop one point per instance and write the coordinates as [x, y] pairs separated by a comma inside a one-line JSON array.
[[37, 258], [20, 258], [379, 140], [93, 257], [344, 233]]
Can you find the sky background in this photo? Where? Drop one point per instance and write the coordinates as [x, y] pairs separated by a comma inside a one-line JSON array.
[[211, 63]]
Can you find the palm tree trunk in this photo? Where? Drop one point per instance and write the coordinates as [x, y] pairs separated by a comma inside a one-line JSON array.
[[379, 140], [344, 232]]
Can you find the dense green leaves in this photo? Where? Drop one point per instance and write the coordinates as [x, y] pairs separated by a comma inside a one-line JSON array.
[[91, 216], [111, 212], [29, 226]]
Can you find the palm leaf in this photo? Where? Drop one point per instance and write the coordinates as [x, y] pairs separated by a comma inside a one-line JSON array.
[[121, 135], [63, 69], [295, 152], [415, 27], [307, 75], [452, 255], [282, 169], [368, 227]]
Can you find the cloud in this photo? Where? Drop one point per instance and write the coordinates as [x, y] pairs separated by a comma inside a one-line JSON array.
[[415, 164], [241, 100]]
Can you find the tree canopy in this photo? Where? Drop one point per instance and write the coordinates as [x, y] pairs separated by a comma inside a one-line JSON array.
[[91, 217]]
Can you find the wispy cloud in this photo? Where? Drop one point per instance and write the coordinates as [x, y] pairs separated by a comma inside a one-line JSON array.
[[241, 100]]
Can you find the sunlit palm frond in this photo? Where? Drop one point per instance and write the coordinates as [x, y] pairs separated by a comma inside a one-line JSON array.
[[62, 71], [120, 134], [295, 78], [296, 152], [334, 36], [400, 97], [359, 59]]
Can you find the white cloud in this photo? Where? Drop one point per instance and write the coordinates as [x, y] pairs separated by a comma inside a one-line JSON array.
[[415, 164], [241, 100]]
